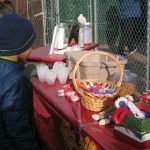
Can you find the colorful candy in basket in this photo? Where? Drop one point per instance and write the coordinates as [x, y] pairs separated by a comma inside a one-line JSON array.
[[95, 93], [97, 88]]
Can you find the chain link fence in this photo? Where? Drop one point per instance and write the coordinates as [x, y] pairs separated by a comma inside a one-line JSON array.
[[120, 26], [34, 11], [67, 11]]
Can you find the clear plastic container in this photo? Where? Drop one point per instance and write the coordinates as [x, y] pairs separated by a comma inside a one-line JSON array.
[[128, 86], [87, 33], [62, 35], [81, 36]]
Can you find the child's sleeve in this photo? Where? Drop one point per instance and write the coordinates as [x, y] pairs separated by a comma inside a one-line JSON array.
[[17, 116]]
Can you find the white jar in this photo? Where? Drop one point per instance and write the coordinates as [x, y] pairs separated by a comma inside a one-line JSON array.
[[62, 35], [81, 36], [87, 33]]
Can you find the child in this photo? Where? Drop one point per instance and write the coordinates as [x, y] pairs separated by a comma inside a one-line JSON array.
[[16, 109]]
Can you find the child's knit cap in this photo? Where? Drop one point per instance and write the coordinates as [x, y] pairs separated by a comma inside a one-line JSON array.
[[16, 34]]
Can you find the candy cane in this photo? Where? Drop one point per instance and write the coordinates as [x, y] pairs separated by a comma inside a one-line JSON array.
[[119, 100], [136, 111]]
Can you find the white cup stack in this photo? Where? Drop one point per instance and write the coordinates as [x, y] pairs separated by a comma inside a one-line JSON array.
[[50, 77], [62, 72], [59, 71], [58, 65], [63, 75], [42, 69]]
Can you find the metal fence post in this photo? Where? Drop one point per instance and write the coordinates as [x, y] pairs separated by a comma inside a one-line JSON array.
[[57, 12], [44, 20], [148, 47], [28, 3], [91, 13], [95, 21]]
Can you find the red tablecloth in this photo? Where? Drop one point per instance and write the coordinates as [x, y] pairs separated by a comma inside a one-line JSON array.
[[41, 54], [46, 127], [105, 137], [79, 117]]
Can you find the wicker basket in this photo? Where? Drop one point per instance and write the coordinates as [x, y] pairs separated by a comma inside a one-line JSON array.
[[90, 100]]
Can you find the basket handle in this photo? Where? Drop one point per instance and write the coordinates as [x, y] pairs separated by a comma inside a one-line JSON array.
[[95, 53]]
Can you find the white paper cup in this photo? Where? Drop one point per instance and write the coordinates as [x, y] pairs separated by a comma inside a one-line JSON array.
[[58, 65], [63, 75], [41, 71], [51, 77]]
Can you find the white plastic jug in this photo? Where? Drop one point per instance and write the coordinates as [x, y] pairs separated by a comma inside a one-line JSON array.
[[62, 34]]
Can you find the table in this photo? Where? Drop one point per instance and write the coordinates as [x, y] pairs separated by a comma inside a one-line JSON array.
[[78, 116], [41, 54]]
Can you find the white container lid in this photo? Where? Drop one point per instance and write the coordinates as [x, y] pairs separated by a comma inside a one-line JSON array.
[[87, 23]]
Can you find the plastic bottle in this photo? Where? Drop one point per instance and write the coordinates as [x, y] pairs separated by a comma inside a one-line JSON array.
[[62, 34], [81, 36], [87, 33]]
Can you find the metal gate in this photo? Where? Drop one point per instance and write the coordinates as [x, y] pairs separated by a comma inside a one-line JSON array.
[[115, 25], [122, 28]]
